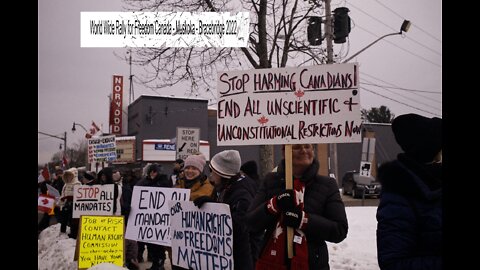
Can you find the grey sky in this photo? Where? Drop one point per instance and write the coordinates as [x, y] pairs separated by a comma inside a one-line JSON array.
[[74, 83]]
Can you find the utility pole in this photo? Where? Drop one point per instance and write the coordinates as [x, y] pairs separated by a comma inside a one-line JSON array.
[[331, 148], [130, 77], [64, 139]]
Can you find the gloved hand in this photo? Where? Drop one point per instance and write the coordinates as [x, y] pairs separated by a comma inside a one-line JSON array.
[[282, 202], [295, 218], [201, 200]]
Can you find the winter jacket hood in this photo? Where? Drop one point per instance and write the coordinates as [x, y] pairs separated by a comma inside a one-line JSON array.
[[410, 178]]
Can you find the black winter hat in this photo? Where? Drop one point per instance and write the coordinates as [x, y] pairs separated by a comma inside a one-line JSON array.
[[88, 176], [155, 167], [250, 169], [418, 136]]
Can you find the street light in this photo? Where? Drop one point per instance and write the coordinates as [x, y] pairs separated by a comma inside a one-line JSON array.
[[77, 124], [64, 139], [404, 28]]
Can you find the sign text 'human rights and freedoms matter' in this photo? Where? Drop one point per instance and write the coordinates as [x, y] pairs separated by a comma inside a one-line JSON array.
[[202, 239], [164, 29], [311, 104]]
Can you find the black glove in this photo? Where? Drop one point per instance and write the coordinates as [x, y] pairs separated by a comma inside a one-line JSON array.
[[281, 202], [201, 200], [286, 200], [293, 218]]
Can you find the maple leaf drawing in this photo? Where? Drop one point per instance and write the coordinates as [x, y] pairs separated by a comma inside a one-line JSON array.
[[263, 120], [299, 93]]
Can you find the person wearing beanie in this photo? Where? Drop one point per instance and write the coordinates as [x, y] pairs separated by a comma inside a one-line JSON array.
[[237, 190], [154, 178], [313, 208], [409, 215], [194, 179], [250, 168]]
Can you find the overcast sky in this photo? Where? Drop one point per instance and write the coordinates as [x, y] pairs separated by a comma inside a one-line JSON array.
[[400, 72]]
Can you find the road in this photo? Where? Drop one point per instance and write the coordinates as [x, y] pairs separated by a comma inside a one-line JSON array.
[[350, 201]]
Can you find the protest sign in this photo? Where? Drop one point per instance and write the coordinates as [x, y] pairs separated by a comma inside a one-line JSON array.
[[202, 238], [149, 219]]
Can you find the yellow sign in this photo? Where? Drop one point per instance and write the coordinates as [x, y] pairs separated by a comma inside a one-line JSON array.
[[100, 241]]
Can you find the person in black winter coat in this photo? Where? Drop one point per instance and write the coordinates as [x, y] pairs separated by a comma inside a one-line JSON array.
[[314, 209], [155, 178], [409, 228], [237, 190]]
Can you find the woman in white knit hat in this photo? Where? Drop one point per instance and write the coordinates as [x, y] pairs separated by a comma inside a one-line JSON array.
[[237, 190]]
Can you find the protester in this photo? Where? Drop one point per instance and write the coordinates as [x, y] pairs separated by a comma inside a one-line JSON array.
[[250, 168], [70, 177], [314, 209], [237, 190], [155, 178], [409, 216], [194, 179], [178, 166]]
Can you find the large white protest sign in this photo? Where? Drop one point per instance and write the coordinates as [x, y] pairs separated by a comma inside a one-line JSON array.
[[95, 200], [314, 104], [149, 219], [202, 238]]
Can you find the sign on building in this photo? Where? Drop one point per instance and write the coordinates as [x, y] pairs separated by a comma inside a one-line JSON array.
[[116, 105], [125, 149], [188, 142]]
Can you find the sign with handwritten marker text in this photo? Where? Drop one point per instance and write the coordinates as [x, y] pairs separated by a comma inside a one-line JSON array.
[[202, 238], [149, 219], [100, 241], [310, 104]]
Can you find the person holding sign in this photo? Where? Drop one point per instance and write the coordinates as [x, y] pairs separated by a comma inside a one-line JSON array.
[[313, 208], [237, 190], [195, 180], [155, 178]]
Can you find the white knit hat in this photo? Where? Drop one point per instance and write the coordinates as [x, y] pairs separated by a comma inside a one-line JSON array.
[[226, 163]]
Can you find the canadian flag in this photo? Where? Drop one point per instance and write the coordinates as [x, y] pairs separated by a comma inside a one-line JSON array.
[[44, 175], [64, 163], [45, 203], [93, 130]]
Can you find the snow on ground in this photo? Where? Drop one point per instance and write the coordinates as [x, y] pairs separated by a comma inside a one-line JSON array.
[[358, 251]]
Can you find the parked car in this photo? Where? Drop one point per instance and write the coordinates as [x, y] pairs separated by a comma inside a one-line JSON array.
[[355, 184]]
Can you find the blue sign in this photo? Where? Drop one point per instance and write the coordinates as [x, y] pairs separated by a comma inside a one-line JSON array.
[[165, 146]]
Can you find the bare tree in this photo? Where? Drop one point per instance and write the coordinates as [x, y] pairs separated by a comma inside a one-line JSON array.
[[277, 35]]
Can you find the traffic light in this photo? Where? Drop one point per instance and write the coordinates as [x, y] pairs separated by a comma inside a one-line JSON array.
[[314, 30], [341, 24]]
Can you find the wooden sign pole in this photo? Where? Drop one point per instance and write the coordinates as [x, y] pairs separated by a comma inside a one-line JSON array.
[[289, 185]]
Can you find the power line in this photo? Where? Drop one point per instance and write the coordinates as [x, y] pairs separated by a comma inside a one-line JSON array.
[[412, 53], [405, 89], [394, 100], [401, 17], [408, 37], [414, 100], [378, 79]]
